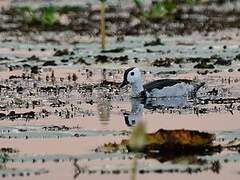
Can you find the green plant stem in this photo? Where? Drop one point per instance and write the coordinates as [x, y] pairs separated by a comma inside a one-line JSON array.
[[102, 24], [134, 168]]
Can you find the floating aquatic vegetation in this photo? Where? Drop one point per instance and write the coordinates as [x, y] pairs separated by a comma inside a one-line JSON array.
[[204, 65], [233, 145], [181, 141], [109, 84], [155, 42], [8, 150], [4, 157], [102, 59], [162, 63], [223, 62], [81, 61], [159, 8], [63, 52], [48, 16], [111, 148], [49, 63], [165, 141]]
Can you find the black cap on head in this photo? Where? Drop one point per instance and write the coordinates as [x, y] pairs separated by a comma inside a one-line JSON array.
[[125, 81]]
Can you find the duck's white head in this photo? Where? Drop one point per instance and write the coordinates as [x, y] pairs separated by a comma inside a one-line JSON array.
[[131, 76]]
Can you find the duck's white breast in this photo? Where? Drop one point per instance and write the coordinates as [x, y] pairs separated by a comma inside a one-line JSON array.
[[180, 89]]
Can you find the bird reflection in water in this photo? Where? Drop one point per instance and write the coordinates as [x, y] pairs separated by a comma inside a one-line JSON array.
[[104, 108], [139, 104]]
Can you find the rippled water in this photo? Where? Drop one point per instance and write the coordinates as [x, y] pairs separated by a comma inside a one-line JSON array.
[[76, 121], [54, 124]]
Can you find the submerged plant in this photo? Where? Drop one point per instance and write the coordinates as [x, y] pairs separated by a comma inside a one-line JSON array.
[[137, 142], [158, 8], [48, 16], [189, 1], [138, 4], [27, 14], [4, 157], [169, 5]]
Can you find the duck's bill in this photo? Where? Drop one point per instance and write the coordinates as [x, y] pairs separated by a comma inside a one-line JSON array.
[[124, 83]]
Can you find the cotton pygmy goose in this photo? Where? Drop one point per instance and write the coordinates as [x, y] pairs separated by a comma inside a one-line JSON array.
[[159, 88]]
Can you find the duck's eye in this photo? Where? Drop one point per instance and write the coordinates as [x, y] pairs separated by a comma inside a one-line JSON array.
[[132, 73]]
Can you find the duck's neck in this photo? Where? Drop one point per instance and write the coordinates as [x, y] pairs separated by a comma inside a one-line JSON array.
[[137, 88]]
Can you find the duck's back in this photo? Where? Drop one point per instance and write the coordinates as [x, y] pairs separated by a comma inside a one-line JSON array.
[[169, 87], [162, 83]]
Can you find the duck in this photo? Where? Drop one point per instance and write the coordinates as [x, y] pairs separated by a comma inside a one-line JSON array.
[[159, 88]]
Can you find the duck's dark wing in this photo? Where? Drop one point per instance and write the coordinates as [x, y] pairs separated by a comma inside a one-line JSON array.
[[160, 84]]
